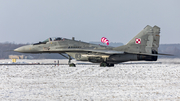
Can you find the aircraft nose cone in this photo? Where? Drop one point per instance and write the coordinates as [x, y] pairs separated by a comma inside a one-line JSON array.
[[23, 49], [16, 50], [20, 49]]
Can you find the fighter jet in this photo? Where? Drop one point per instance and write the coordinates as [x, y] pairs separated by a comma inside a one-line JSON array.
[[144, 46]]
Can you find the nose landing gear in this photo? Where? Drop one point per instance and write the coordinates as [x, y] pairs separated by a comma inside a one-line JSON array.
[[69, 62]]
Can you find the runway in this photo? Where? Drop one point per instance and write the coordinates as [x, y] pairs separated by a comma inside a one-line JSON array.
[[128, 81]]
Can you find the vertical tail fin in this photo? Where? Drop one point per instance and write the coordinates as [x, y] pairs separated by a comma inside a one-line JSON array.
[[156, 36], [147, 41]]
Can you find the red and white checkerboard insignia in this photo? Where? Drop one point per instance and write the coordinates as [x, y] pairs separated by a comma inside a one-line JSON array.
[[138, 41]]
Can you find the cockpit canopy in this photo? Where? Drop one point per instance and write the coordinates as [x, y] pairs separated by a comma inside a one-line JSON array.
[[53, 39], [49, 39]]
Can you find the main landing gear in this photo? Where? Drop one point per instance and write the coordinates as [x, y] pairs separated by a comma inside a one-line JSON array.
[[104, 64]]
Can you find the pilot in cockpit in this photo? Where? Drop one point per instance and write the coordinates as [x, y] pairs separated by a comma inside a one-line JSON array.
[[50, 39], [57, 39]]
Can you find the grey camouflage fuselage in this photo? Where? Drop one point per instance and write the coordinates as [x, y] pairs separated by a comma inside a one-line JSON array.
[[144, 46]]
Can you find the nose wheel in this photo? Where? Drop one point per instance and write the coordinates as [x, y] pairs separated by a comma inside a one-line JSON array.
[[72, 65], [69, 62]]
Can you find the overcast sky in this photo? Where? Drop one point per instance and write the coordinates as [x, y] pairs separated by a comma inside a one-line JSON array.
[[30, 21]]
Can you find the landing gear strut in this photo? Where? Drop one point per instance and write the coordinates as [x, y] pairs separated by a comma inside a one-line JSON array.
[[69, 62]]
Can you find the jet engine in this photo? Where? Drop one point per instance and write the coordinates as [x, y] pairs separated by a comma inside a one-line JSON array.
[[148, 57]]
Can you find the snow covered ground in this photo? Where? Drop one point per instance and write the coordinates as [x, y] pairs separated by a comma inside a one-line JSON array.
[[127, 81]]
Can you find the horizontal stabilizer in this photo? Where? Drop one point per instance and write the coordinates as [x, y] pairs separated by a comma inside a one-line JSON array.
[[152, 54], [165, 54]]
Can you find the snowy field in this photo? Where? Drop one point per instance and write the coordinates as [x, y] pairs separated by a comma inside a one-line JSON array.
[[144, 81]]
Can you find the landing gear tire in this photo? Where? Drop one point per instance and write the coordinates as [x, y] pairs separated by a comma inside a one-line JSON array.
[[103, 64], [72, 65], [69, 62], [110, 65]]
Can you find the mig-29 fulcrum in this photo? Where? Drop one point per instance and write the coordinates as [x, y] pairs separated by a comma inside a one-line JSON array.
[[144, 46]]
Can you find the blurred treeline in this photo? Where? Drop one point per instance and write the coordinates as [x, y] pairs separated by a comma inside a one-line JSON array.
[[6, 49], [173, 49]]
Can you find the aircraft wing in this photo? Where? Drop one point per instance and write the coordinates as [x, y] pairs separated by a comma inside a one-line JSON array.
[[109, 52]]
